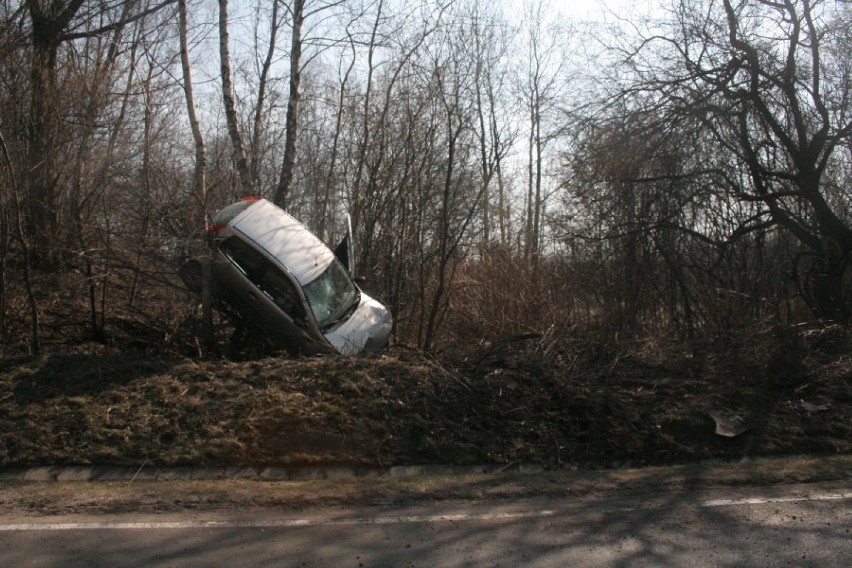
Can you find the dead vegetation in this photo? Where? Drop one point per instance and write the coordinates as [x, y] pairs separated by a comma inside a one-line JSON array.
[[577, 396], [509, 404]]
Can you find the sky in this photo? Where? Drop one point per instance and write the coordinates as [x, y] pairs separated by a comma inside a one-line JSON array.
[[590, 10]]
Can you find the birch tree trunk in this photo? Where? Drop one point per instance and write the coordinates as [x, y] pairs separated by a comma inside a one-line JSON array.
[[243, 167], [288, 166], [199, 178]]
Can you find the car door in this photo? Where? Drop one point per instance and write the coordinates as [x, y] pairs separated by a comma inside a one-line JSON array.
[[265, 296]]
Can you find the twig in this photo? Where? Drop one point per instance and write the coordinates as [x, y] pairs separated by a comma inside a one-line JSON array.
[[132, 479]]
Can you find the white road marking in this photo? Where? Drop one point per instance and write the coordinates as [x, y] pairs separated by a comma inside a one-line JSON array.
[[387, 520], [274, 524], [765, 500]]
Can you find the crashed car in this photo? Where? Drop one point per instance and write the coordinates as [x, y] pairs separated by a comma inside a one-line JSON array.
[[286, 283]]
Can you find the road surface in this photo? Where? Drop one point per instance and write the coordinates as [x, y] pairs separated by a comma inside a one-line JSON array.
[[787, 525]]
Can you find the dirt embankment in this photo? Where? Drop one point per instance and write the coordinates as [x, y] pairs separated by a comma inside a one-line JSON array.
[[505, 406]]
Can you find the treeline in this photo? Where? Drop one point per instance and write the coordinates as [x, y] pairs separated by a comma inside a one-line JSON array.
[[506, 173]]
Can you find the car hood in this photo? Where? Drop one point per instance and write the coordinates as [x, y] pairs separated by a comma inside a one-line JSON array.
[[367, 329]]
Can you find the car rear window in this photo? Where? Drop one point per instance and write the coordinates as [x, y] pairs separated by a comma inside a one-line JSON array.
[[224, 215]]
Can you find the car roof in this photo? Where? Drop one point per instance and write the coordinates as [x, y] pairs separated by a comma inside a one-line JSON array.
[[284, 238]]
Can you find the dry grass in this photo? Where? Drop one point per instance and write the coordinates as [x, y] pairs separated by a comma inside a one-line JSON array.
[[509, 406], [561, 397], [164, 496]]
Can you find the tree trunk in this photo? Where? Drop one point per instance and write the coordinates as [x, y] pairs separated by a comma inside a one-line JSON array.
[[42, 219], [826, 283], [35, 333], [200, 187], [255, 152], [282, 192], [240, 158]]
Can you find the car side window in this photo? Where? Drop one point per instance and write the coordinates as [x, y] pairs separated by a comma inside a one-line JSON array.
[[270, 279]]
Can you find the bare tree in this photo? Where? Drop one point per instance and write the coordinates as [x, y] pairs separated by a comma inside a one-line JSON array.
[[542, 88], [257, 133], [199, 177], [32, 305], [54, 24], [490, 46], [765, 80], [329, 188], [282, 190], [298, 16], [375, 136], [49, 23], [454, 215], [243, 167]]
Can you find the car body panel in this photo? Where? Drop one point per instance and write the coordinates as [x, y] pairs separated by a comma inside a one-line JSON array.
[[260, 311], [363, 330]]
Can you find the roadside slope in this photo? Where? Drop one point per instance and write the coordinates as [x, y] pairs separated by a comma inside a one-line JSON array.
[[409, 408]]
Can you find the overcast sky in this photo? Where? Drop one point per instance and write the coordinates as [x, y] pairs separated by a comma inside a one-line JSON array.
[[594, 9]]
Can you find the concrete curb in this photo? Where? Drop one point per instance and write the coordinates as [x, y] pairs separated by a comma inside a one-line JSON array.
[[272, 473]]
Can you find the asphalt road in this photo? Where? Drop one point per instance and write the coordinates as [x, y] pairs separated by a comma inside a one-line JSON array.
[[786, 525]]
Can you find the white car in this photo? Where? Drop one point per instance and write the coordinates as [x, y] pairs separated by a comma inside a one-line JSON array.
[[282, 280]]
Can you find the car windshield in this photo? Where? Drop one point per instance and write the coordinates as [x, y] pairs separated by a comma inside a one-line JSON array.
[[332, 295]]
